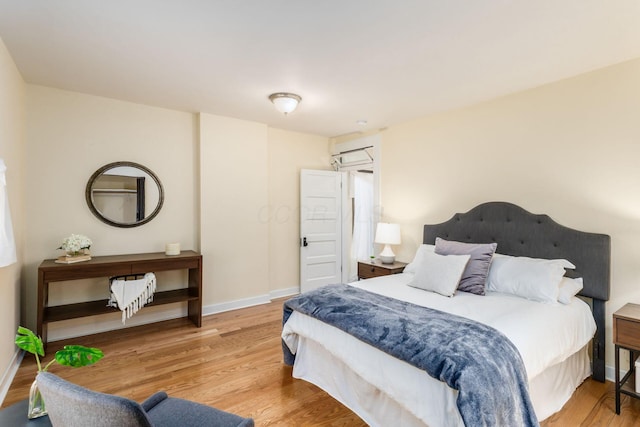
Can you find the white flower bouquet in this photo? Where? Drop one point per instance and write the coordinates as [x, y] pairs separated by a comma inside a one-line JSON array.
[[76, 244]]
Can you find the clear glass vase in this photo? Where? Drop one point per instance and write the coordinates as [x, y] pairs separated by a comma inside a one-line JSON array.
[[36, 403]]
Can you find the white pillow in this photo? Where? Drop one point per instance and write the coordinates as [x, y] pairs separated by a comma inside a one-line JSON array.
[[562, 262], [439, 273], [412, 267], [568, 289], [531, 278]]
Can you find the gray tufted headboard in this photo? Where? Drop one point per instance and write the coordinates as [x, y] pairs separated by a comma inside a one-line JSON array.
[[522, 233]]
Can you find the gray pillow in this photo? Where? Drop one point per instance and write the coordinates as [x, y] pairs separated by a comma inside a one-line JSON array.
[[474, 276]]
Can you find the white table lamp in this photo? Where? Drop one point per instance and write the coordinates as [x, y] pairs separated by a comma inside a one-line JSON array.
[[387, 234]]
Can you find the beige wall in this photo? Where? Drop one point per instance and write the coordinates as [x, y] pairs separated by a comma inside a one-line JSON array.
[[233, 194], [568, 149], [69, 136], [249, 192], [211, 167], [288, 153], [12, 117]]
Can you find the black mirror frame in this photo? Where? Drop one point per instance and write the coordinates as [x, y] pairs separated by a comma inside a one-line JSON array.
[[92, 208]]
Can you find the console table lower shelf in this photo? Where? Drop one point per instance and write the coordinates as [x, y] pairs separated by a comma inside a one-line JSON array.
[[118, 265]]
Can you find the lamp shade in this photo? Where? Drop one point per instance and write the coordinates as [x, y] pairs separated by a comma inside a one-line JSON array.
[[388, 234], [285, 102]]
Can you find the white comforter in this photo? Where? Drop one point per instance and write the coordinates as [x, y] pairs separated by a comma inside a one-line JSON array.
[[545, 335]]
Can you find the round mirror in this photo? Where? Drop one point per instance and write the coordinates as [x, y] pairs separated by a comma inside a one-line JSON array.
[[124, 194]]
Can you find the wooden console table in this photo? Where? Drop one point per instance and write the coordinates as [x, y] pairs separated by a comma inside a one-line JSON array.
[[118, 265]]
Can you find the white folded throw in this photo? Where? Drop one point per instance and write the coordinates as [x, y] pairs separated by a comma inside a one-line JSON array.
[[131, 295]]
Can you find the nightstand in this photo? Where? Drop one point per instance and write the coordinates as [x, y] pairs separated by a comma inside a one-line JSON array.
[[368, 269], [626, 335]]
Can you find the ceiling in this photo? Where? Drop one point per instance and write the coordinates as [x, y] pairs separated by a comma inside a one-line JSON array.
[[381, 61]]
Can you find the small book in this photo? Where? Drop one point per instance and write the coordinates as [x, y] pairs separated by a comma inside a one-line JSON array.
[[72, 259]]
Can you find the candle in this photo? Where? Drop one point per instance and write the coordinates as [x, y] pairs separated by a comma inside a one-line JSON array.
[[172, 249]]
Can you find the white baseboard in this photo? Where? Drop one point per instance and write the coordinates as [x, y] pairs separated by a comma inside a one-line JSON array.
[[609, 373], [10, 373], [249, 302], [281, 293], [234, 305]]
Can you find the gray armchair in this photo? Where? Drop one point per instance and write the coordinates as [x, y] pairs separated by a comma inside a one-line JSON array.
[[70, 405]]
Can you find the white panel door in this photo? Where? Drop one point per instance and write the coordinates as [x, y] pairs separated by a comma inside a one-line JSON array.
[[320, 228]]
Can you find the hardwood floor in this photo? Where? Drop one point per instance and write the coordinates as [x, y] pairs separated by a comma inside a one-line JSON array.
[[234, 362]]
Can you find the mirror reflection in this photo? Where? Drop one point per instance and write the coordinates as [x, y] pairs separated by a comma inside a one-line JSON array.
[[124, 194]]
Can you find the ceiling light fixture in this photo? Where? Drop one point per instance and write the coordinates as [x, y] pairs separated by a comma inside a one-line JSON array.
[[285, 102]]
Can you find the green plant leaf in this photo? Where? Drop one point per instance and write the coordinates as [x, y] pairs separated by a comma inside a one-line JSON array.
[[77, 356], [28, 341]]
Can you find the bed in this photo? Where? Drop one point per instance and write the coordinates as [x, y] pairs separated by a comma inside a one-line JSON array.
[[384, 390]]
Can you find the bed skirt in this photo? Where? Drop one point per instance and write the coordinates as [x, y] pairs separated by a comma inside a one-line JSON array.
[[549, 390]]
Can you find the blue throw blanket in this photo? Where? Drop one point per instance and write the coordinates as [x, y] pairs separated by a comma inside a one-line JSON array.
[[475, 359]]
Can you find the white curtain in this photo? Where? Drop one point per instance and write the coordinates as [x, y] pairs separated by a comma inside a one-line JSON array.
[[362, 241], [7, 244]]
